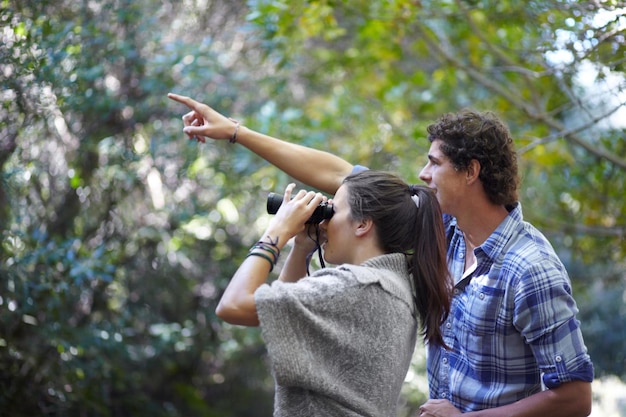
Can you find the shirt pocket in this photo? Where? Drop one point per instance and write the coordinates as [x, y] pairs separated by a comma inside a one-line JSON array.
[[482, 308]]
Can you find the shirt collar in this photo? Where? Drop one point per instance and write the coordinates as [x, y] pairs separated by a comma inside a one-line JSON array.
[[499, 239]]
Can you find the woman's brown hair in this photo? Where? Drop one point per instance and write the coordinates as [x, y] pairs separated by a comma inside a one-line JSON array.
[[408, 220]]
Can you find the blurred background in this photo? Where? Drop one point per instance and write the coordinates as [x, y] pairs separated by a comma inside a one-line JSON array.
[[118, 235]]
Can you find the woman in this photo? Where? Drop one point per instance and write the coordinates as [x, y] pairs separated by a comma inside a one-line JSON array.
[[341, 340]]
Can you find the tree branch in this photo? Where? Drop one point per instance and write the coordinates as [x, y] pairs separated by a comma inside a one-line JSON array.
[[533, 113], [556, 135]]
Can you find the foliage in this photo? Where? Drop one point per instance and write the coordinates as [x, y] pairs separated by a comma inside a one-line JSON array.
[[106, 310], [117, 235], [552, 69]]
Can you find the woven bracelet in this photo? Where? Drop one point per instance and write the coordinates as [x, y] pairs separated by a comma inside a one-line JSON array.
[[273, 249], [264, 256]]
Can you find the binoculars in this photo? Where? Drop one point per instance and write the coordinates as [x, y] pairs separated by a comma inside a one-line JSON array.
[[322, 212]]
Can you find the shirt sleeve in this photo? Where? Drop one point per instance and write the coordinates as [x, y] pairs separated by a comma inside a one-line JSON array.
[[546, 317], [359, 168]]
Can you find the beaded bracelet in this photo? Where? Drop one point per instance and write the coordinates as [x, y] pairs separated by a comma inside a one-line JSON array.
[[233, 138]]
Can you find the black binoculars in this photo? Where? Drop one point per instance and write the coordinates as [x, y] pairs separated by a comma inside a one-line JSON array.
[[322, 212]]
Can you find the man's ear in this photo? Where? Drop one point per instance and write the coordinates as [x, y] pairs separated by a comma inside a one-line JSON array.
[[363, 227], [473, 171]]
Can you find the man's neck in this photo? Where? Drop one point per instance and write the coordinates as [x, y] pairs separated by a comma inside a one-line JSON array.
[[480, 222]]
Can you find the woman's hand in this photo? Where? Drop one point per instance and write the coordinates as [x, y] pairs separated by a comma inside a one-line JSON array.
[[202, 121], [307, 240], [237, 305], [292, 215]]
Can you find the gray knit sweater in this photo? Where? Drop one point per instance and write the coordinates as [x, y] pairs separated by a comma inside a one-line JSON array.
[[341, 341]]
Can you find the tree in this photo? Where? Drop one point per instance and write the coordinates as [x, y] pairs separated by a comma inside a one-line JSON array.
[[106, 314]]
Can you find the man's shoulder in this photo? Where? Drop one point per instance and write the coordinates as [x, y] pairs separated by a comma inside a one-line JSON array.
[[531, 242], [523, 249], [529, 256], [521, 238]]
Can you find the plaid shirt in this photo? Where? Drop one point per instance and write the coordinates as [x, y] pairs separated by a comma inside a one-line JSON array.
[[512, 324]]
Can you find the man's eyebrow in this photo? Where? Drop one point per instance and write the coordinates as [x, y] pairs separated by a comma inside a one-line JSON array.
[[433, 158]]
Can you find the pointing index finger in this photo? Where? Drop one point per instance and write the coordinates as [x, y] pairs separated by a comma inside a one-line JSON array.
[[187, 101]]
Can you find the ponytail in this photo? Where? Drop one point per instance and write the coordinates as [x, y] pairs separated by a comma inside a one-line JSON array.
[[429, 266]]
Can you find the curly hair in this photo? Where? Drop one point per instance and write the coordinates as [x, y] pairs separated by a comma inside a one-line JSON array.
[[469, 135]]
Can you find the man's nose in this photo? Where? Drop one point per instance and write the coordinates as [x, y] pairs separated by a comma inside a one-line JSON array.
[[425, 175]]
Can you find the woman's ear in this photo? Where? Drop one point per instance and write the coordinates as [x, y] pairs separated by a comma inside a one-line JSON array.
[[363, 227]]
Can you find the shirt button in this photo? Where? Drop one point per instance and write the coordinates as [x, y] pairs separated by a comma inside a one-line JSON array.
[[445, 360], [448, 325], [481, 296], [558, 358], [461, 255]]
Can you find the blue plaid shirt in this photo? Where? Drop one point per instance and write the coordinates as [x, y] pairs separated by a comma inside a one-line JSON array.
[[513, 321]]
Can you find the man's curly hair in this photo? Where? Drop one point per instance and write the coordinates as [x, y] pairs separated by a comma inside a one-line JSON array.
[[469, 135]]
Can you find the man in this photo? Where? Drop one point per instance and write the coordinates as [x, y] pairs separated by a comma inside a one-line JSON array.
[[516, 346]]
